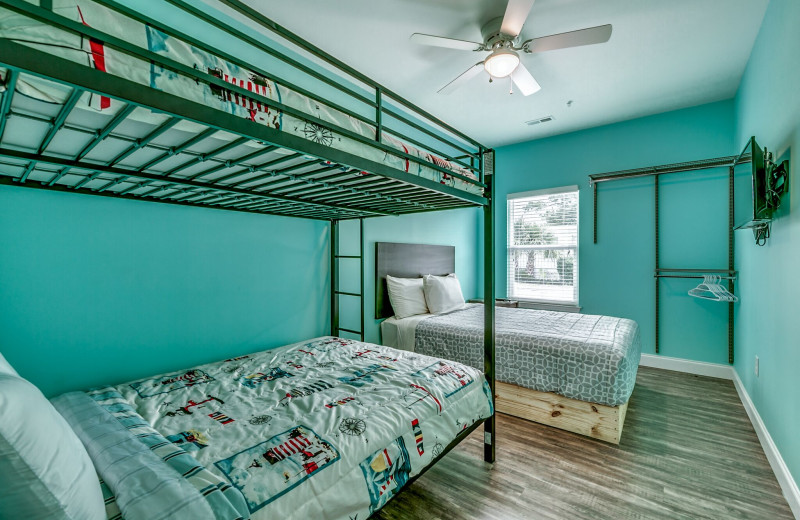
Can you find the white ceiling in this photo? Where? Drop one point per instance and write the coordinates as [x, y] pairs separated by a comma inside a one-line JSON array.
[[663, 55]]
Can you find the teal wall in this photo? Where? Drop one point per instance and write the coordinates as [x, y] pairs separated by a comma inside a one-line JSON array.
[[616, 274], [455, 227], [96, 290], [767, 325]]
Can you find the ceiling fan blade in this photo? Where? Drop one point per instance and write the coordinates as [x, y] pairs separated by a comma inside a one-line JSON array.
[[449, 43], [590, 36], [516, 13], [463, 78], [524, 81]]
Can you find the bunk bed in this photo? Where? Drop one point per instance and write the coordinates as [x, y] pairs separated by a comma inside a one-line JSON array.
[[99, 99]]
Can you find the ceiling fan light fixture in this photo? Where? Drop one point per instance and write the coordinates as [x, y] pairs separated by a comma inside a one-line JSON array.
[[501, 63]]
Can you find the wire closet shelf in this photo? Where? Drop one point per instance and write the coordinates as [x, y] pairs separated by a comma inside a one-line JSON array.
[[158, 146]]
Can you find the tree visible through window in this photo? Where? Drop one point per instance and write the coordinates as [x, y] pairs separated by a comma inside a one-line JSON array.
[[543, 245]]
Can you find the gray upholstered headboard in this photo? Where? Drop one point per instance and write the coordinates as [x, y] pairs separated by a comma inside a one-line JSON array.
[[407, 261]]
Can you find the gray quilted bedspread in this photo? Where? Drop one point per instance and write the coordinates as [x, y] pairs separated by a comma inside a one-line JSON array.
[[581, 356]]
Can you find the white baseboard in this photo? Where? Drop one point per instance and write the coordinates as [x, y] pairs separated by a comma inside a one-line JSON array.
[[787, 483], [699, 368]]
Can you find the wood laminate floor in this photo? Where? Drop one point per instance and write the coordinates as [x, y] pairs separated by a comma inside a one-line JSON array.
[[688, 451]]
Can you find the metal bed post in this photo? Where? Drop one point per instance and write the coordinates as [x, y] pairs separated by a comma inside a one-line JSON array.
[[378, 115], [488, 302], [361, 269], [334, 296]]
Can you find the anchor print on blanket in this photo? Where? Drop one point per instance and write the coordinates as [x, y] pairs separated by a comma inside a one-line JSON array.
[[170, 383], [274, 467], [385, 472], [450, 377], [211, 403]]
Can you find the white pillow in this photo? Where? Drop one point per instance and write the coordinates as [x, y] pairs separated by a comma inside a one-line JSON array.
[[45, 472], [442, 293], [6, 368], [406, 296]]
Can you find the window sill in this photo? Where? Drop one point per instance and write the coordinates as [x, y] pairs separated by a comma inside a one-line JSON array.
[[547, 306]]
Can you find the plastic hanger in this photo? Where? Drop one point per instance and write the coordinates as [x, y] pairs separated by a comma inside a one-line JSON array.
[[703, 290], [711, 289], [722, 291]]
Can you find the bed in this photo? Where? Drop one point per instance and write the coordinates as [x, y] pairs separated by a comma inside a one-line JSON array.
[[98, 99], [568, 370], [328, 428]]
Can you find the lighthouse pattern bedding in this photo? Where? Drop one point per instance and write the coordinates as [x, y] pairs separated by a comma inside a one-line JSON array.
[[98, 55], [327, 429]]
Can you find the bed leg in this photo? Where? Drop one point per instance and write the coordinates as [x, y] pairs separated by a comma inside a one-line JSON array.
[[488, 439]]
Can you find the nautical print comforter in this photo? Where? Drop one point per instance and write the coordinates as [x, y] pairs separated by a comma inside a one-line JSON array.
[[326, 429], [581, 356], [104, 57]]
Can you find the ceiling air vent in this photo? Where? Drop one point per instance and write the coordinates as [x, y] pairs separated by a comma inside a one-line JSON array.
[[545, 119]]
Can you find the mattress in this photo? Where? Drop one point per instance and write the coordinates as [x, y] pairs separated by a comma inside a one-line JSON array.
[[401, 333], [325, 429], [93, 53], [580, 356]]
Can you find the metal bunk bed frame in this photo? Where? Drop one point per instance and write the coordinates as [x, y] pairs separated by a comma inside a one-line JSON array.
[[295, 185]]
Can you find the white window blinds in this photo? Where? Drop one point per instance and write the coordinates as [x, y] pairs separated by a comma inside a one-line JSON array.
[[543, 245]]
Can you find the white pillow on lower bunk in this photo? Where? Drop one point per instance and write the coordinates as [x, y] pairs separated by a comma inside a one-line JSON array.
[[5, 367], [406, 296], [442, 293], [45, 472]]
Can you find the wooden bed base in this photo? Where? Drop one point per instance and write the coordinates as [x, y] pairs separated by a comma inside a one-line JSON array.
[[590, 419]]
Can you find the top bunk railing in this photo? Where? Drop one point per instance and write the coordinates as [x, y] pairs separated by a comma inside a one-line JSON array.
[[376, 136], [380, 91]]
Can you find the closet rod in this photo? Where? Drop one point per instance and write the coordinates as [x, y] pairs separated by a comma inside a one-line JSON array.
[[669, 168], [690, 276], [728, 271], [655, 171]]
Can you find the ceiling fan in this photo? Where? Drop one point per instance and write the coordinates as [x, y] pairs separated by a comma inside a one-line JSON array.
[[501, 39]]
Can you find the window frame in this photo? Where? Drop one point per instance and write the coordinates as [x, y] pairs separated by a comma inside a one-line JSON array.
[[510, 198]]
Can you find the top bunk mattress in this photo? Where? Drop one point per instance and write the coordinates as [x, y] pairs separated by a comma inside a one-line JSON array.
[[580, 356], [329, 428], [103, 56]]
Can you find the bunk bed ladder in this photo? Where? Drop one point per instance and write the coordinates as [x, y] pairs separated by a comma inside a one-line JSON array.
[[336, 329]]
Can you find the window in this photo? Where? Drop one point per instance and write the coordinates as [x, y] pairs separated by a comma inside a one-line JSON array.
[[543, 245]]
